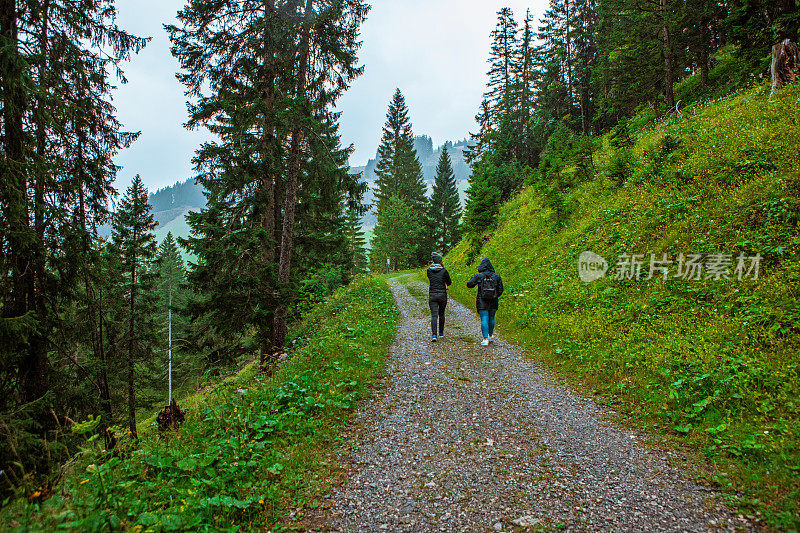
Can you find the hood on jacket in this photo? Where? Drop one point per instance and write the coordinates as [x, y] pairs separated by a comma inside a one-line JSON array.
[[485, 266], [435, 267]]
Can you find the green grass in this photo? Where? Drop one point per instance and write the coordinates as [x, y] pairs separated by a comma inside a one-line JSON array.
[[252, 450], [710, 364]]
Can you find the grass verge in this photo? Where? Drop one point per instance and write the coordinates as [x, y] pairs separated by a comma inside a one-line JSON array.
[[250, 453], [711, 363]]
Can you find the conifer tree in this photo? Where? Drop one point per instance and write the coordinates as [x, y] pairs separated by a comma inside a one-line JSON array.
[[59, 61], [134, 242], [444, 207], [504, 61], [399, 174], [398, 171], [171, 292], [396, 222], [273, 68], [356, 243]]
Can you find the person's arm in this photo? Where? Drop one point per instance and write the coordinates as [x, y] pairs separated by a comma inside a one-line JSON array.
[[447, 280], [499, 286], [474, 280]]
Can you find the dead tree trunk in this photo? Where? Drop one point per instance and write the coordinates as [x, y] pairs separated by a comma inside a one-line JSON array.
[[785, 64]]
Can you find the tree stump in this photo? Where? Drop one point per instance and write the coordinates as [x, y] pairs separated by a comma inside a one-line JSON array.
[[785, 64], [171, 416]]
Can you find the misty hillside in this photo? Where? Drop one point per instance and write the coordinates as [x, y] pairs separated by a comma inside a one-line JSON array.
[[428, 158], [171, 202]]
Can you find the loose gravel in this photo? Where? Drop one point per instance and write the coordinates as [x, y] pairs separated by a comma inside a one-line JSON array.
[[470, 438]]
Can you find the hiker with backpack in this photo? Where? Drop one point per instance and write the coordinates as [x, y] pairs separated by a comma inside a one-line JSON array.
[[490, 288], [439, 280]]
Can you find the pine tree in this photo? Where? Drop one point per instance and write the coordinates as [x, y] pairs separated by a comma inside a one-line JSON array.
[[133, 240], [396, 222], [357, 248], [270, 95], [59, 61], [444, 207], [399, 174], [398, 171], [504, 61], [171, 292]]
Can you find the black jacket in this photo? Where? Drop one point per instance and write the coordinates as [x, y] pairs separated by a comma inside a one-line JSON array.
[[486, 269], [439, 280]]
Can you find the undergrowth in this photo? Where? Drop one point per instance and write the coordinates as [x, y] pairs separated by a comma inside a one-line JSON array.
[[712, 363], [250, 453]]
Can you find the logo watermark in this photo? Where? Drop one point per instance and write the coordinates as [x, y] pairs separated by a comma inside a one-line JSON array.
[[688, 267], [591, 266]]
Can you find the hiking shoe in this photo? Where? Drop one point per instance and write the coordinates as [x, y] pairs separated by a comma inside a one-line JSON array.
[[485, 342], [441, 335], [433, 339], [491, 339]]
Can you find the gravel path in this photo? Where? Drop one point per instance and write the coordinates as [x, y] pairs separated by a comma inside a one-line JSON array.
[[470, 438]]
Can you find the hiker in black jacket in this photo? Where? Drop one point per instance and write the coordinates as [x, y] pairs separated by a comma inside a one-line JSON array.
[[490, 288], [439, 280]]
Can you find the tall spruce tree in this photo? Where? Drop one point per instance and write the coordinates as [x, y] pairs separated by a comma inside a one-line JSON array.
[[59, 61], [273, 69], [444, 207], [172, 295], [398, 171], [133, 240], [399, 174]]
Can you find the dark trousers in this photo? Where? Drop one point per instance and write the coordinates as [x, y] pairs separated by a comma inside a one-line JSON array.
[[437, 312]]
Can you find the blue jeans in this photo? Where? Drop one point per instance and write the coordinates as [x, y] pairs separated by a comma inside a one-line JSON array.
[[487, 322]]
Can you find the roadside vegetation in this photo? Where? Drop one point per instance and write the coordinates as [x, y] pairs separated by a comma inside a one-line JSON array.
[[712, 362], [252, 450]]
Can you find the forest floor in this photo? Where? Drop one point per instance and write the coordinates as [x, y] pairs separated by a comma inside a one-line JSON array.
[[462, 437]]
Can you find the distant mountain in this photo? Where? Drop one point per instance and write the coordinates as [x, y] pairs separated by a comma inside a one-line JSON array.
[[428, 159], [170, 205], [171, 202]]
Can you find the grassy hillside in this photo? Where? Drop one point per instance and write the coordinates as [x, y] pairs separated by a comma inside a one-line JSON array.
[[252, 449], [713, 363]]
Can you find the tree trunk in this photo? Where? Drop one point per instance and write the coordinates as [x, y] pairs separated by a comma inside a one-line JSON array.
[[169, 345], [290, 197], [705, 45], [785, 67], [669, 95], [271, 213], [92, 308], [14, 195], [132, 344], [568, 50]]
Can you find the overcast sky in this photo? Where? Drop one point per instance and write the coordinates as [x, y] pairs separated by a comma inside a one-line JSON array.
[[435, 51]]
